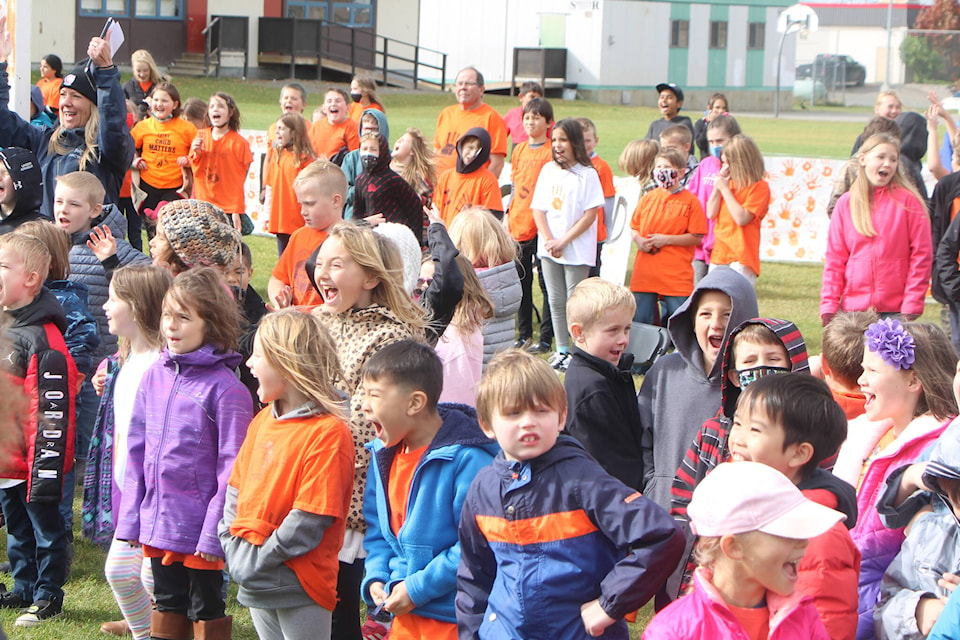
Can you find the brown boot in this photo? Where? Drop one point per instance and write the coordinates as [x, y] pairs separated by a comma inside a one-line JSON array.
[[116, 628], [168, 625], [219, 629]]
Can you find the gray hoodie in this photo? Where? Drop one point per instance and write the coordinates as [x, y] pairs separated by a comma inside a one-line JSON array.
[[676, 396]]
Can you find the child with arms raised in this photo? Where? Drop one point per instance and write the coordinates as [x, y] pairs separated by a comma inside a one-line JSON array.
[[189, 419], [739, 202], [284, 516], [754, 525], [907, 370], [610, 548], [602, 408], [879, 249], [366, 307], [220, 157], [133, 312], [424, 459]]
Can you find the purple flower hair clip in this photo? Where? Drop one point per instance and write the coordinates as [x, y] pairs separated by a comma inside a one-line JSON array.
[[888, 339]]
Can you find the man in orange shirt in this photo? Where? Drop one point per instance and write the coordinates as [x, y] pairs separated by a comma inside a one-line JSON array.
[[469, 112]]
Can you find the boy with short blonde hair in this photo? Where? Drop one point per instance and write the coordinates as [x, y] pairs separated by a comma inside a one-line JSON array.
[[551, 545], [602, 410], [35, 356], [321, 189]]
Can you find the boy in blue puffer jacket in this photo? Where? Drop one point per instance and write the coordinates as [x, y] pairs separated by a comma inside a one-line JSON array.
[[425, 458]]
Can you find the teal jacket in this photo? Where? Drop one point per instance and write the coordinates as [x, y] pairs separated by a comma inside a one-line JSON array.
[[351, 162], [426, 552]]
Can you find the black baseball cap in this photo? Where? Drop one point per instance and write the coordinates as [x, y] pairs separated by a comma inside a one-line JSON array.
[[677, 91]]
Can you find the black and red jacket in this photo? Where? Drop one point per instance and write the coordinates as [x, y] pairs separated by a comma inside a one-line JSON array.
[[36, 358]]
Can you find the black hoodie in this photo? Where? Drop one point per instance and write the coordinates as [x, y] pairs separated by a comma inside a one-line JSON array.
[[381, 190], [24, 170], [482, 157]]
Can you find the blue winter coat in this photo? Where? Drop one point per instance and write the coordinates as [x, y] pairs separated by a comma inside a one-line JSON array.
[[86, 268], [114, 144], [82, 335], [539, 539], [425, 553]]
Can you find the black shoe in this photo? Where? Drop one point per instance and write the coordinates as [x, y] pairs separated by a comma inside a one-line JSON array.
[[10, 600], [38, 612], [539, 348], [522, 343]]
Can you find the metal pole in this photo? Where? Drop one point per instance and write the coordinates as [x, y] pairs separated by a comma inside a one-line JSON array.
[[887, 85], [783, 37]]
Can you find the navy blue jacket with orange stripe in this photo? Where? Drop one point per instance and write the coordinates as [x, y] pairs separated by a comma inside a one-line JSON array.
[[541, 538]]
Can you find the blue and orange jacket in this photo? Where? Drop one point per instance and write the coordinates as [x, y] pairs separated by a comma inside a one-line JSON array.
[[539, 539]]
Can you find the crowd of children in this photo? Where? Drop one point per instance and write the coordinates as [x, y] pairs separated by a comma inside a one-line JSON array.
[[380, 434]]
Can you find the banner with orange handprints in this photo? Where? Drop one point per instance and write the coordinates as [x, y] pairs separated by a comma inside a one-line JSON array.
[[795, 228]]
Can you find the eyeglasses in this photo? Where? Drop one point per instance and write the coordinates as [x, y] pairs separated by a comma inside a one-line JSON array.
[[466, 84]]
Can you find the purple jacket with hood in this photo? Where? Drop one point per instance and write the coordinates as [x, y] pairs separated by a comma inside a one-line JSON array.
[[189, 419]]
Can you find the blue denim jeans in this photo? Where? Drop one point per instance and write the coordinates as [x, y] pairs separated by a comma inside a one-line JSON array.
[[647, 304], [36, 545]]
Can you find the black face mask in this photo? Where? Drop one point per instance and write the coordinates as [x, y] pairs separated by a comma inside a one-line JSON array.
[[369, 161], [356, 97]]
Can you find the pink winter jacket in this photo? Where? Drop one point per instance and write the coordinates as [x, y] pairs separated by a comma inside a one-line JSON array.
[[703, 614], [878, 545], [888, 272]]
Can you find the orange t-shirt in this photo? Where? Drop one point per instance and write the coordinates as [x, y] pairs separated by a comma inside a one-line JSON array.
[[453, 122], [734, 243], [525, 166], [755, 621], [188, 560], [290, 267], [357, 109], [50, 90], [669, 271], [327, 139], [284, 207], [414, 627], [398, 484], [160, 144], [220, 169], [302, 463], [609, 191], [455, 191]]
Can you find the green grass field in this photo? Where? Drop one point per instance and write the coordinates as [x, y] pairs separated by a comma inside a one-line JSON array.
[[785, 290]]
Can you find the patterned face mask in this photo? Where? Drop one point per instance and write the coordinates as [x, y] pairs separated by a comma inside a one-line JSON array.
[[749, 376], [665, 177]]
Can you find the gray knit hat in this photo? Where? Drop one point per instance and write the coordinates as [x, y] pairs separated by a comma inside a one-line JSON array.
[[200, 233]]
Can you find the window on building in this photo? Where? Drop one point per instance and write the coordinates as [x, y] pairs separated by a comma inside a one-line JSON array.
[[112, 8], [718, 34], [352, 14], [160, 9], [756, 36], [679, 34]]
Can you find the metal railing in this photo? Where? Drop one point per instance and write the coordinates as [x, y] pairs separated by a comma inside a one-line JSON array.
[[308, 41], [226, 34]]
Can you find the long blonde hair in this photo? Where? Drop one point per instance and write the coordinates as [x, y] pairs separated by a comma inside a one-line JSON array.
[[144, 56], [861, 191], [418, 170], [482, 239], [300, 349], [745, 161], [475, 305], [362, 245], [91, 152]]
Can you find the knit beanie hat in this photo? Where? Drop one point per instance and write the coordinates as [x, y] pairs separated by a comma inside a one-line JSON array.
[[406, 243], [200, 233], [81, 82]]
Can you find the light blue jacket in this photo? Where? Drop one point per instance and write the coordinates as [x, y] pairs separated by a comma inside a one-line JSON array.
[[426, 552]]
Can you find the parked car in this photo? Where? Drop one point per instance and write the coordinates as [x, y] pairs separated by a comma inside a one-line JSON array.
[[834, 70]]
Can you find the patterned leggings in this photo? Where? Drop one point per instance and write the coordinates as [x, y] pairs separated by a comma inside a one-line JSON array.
[[132, 582]]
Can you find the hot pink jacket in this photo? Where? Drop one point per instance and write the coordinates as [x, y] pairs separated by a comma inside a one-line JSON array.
[[703, 614], [888, 272]]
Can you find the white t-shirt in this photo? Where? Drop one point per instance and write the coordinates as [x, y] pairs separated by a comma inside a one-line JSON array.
[[124, 395], [564, 195]]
